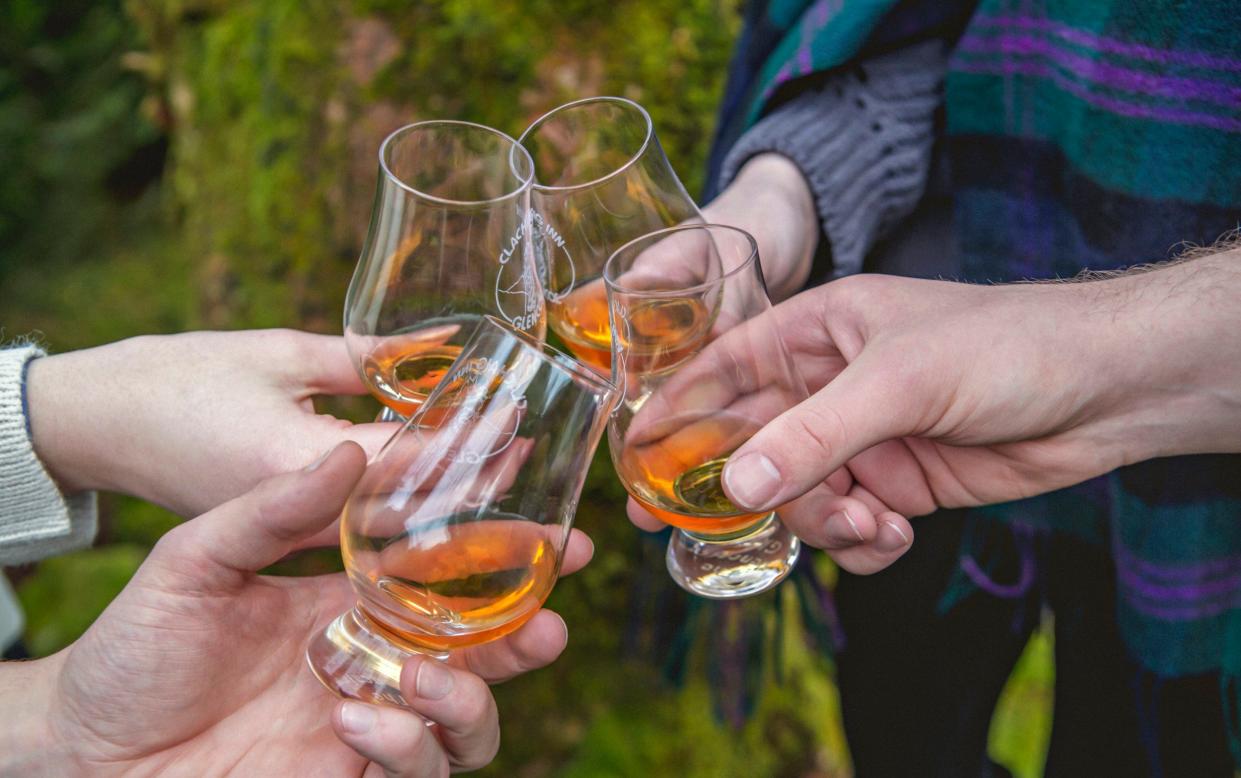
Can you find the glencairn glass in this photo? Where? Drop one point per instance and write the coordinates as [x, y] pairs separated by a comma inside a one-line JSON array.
[[454, 535], [449, 242], [601, 180], [702, 367]]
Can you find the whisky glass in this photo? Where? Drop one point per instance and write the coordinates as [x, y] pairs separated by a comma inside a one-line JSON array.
[[601, 180], [448, 244], [455, 533], [702, 367]]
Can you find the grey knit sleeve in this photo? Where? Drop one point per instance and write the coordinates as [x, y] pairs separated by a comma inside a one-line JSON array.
[[863, 141], [36, 519]]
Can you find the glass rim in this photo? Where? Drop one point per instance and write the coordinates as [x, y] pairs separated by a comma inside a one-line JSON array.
[[556, 358], [646, 142], [752, 259], [524, 183]]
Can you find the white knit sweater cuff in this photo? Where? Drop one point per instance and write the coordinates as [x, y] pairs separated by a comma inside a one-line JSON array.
[[863, 141], [36, 520]]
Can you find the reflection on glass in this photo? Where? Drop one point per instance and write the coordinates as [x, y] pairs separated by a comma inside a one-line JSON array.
[[454, 535], [601, 180], [448, 243], [697, 384]]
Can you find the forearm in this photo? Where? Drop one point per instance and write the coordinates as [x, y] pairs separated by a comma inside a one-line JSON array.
[[28, 745], [1170, 355]]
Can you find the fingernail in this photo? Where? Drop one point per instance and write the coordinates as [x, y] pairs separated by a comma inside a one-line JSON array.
[[434, 681], [891, 537], [313, 466], [752, 480], [356, 718], [852, 525]]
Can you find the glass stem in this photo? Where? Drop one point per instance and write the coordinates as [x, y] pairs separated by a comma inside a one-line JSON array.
[[758, 526]]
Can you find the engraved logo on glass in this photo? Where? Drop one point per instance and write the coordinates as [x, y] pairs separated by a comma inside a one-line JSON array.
[[515, 281], [551, 251], [486, 403]]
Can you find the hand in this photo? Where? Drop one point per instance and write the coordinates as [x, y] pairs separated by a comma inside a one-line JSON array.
[[197, 667], [771, 200], [929, 394], [189, 421]]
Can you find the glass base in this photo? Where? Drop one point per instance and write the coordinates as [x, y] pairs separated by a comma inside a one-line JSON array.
[[354, 661], [728, 568]]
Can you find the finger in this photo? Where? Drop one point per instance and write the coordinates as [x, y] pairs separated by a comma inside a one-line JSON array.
[[828, 521], [894, 533], [398, 741], [371, 436], [262, 526], [328, 537], [460, 703], [577, 553], [893, 538], [642, 517], [324, 432], [325, 366], [537, 644], [803, 446], [895, 471], [856, 530]]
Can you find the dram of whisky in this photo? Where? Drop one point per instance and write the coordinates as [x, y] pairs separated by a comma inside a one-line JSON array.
[[677, 478], [659, 332], [403, 368], [446, 585]]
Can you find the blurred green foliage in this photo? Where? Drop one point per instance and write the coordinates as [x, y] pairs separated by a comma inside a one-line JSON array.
[[177, 164], [63, 89]]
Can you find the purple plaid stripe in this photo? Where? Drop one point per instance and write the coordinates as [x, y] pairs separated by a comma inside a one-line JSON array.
[[1110, 45], [1168, 114], [1104, 73]]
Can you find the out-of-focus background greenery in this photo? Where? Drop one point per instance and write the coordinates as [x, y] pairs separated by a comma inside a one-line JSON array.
[[176, 164]]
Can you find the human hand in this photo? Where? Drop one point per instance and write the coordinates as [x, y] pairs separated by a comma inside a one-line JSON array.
[[771, 200], [197, 666], [929, 394], [189, 421]]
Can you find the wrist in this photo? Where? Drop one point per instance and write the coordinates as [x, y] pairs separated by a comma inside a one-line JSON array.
[[57, 435], [80, 424], [771, 199], [28, 745]]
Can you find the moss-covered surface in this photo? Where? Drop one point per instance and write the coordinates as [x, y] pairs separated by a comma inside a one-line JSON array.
[[174, 164]]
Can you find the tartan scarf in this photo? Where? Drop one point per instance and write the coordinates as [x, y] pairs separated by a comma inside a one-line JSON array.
[[1078, 135]]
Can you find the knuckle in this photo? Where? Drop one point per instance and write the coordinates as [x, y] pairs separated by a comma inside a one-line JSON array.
[[849, 291], [818, 428], [475, 704]]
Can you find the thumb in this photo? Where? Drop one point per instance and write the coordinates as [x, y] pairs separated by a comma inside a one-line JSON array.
[[265, 524], [801, 447]]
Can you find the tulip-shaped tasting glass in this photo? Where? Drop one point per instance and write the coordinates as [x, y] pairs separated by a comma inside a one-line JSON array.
[[702, 367], [601, 180], [454, 534], [448, 244]]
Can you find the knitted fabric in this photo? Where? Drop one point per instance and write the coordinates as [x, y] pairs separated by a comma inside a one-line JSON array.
[[36, 520], [863, 140]]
